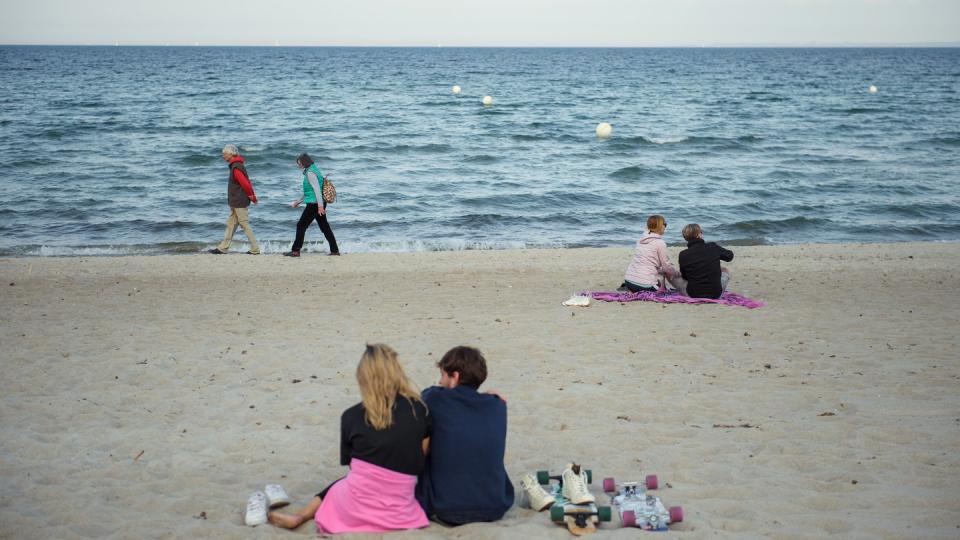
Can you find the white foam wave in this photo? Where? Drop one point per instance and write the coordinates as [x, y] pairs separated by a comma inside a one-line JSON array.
[[273, 247], [449, 244], [667, 140], [90, 251]]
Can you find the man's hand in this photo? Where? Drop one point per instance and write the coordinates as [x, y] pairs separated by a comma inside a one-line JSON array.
[[498, 394]]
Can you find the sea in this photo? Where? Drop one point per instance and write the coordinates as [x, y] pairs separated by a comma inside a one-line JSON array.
[[116, 150]]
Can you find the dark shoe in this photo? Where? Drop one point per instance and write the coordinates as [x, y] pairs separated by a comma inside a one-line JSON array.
[[216, 251], [252, 253], [291, 254], [337, 254]]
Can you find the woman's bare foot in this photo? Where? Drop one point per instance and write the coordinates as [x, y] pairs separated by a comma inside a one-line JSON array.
[[286, 521]]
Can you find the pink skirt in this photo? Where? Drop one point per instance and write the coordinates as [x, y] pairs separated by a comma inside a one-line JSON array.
[[370, 499]]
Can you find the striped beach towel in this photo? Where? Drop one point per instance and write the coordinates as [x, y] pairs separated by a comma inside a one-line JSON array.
[[672, 297]]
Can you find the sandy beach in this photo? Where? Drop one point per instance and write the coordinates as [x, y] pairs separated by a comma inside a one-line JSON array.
[[146, 397]]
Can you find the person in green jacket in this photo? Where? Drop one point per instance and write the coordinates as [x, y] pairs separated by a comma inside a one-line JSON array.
[[316, 208]]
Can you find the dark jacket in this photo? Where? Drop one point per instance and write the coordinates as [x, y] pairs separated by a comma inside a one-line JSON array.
[[239, 188], [464, 480], [700, 266]]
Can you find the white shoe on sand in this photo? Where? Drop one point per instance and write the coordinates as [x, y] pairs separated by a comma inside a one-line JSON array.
[[256, 509], [575, 485], [538, 497], [276, 496]]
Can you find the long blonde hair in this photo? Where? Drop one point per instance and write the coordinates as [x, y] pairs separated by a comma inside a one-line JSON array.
[[381, 379]]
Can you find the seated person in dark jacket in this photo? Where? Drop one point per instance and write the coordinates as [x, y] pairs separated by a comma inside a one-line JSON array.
[[700, 265], [464, 480]]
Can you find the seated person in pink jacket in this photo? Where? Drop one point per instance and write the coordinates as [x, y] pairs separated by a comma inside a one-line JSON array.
[[651, 262], [383, 439]]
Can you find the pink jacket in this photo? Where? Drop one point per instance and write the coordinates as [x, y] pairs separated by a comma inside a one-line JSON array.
[[650, 261], [370, 499]]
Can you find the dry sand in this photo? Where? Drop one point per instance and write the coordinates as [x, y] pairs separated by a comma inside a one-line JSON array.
[[146, 397]]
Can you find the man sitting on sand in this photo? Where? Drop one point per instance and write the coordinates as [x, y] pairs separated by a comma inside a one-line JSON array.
[[464, 480], [700, 265]]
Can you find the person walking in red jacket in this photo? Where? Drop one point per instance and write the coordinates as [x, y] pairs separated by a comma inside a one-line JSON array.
[[239, 196]]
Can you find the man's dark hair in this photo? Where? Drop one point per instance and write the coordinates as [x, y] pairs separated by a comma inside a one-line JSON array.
[[304, 160], [468, 362]]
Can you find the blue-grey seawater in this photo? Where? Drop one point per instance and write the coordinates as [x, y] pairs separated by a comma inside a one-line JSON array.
[[116, 150]]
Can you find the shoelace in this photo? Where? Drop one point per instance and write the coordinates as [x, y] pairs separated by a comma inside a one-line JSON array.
[[578, 483]]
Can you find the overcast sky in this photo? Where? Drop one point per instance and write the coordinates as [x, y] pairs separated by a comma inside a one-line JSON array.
[[480, 22]]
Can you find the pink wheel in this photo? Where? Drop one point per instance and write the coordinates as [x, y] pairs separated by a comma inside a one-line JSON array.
[[652, 482], [609, 485], [629, 518], [676, 514]]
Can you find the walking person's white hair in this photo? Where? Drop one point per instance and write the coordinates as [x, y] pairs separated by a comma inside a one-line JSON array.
[[231, 149]]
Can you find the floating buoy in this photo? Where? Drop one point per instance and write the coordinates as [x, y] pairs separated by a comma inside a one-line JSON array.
[[872, 89], [487, 101], [604, 130], [456, 89]]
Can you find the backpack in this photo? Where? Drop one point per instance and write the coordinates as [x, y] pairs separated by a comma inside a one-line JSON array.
[[329, 192]]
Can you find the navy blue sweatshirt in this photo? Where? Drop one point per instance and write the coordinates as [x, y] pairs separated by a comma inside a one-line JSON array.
[[464, 480]]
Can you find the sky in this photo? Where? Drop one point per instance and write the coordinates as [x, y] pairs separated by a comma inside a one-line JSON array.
[[534, 23]]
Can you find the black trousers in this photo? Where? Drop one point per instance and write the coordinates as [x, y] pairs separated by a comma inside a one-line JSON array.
[[311, 212], [635, 289]]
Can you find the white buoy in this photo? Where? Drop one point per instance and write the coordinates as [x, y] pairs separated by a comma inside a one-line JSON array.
[[456, 89], [604, 130], [487, 101], [872, 89]]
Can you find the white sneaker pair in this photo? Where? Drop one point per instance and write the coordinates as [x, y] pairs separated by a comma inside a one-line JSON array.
[[272, 496]]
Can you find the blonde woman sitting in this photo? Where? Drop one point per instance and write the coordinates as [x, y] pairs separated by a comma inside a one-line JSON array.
[[383, 439], [651, 262]]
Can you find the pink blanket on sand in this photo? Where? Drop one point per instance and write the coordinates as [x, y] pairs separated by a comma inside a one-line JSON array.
[[664, 297], [370, 499]]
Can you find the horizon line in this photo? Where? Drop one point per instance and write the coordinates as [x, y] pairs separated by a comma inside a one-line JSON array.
[[278, 44]]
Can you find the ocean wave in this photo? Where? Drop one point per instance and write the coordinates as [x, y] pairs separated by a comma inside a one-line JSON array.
[[276, 247], [859, 110], [527, 137], [472, 221], [661, 140], [766, 96], [824, 159], [482, 159], [436, 244], [444, 103], [713, 142], [763, 227], [943, 140], [430, 148], [105, 250], [200, 159], [69, 104], [640, 172]]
